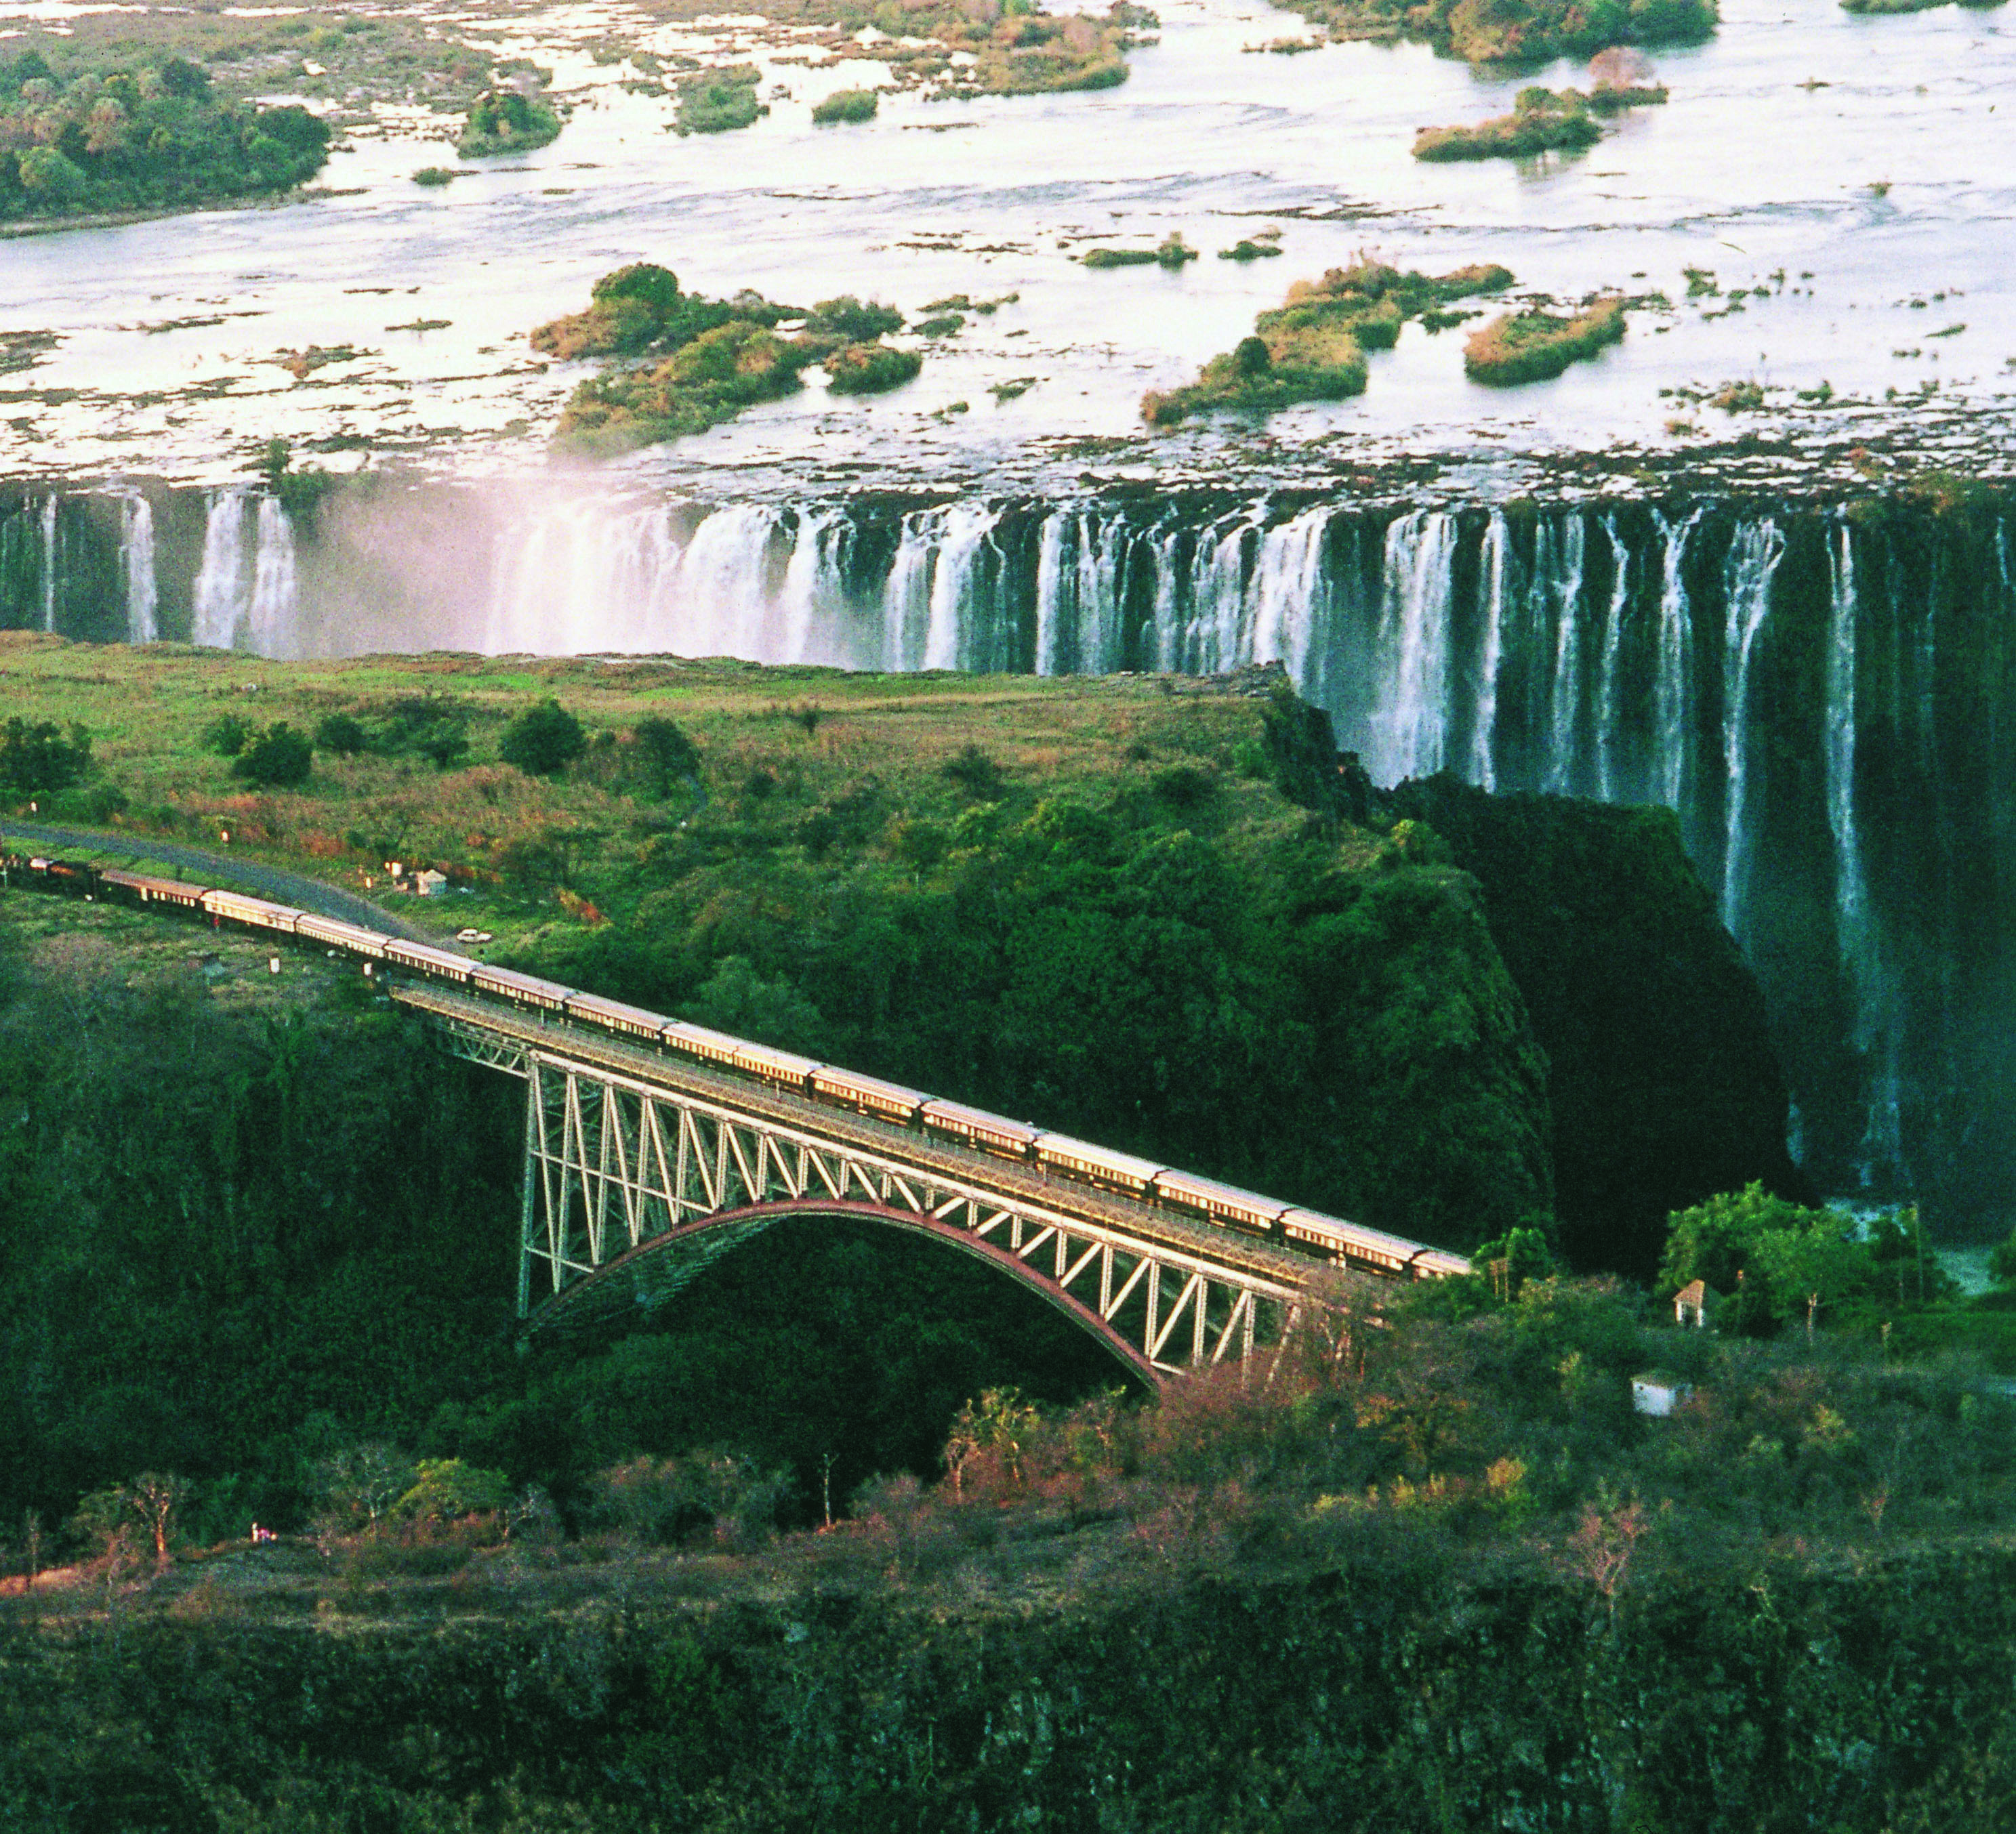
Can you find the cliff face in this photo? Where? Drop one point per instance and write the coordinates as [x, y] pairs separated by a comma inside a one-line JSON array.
[[1664, 1082], [1381, 1694]]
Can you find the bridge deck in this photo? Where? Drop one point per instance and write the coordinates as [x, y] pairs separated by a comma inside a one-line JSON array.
[[1228, 1248]]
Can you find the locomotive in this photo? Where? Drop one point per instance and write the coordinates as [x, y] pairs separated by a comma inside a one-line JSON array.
[[1145, 1181]]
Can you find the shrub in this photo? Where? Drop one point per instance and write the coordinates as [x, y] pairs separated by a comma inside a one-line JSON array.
[[718, 101], [1120, 257], [444, 1489], [976, 773], [849, 320], [1533, 346], [664, 755], [226, 735], [870, 369], [341, 734], [279, 756], [846, 106], [435, 175], [543, 740]]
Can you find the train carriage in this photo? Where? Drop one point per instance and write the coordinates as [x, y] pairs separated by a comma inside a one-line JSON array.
[[869, 1093], [1097, 1165], [353, 938], [145, 888], [237, 907], [631, 1021], [425, 958], [1438, 1264], [697, 1041], [784, 1067], [1353, 1242], [976, 1127], [1222, 1203], [520, 990]]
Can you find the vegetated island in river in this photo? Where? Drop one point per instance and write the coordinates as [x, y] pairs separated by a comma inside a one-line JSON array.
[[681, 364], [1516, 31], [1537, 346], [148, 138], [152, 113], [1312, 347]]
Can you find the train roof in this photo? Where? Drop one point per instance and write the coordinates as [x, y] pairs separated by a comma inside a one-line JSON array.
[[768, 1058], [1396, 1248], [654, 1022], [1123, 1165], [962, 1114], [1212, 1190], [854, 1079], [526, 983]]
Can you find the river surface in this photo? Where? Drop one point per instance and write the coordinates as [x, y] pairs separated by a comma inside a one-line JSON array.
[[1747, 173]]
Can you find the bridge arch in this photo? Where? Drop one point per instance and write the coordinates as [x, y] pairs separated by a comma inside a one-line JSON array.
[[650, 1273]]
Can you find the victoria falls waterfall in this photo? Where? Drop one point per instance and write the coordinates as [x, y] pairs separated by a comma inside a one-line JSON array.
[[1825, 696]]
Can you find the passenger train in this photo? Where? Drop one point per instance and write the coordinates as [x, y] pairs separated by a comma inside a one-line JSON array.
[[1308, 1231]]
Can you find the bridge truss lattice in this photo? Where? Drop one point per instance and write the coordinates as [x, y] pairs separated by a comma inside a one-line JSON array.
[[632, 1185]]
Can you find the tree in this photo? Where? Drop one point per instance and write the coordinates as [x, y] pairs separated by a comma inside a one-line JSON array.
[[1717, 1240], [279, 756], [444, 1489], [38, 757], [341, 734], [665, 755], [1813, 1266], [123, 1519], [45, 173], [543, 740], [358, 1486]]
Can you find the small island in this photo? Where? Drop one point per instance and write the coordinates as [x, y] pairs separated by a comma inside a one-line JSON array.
[[1538, 346], [680, 364], [1312, 347], [1541, 121], [150, 137], [507, 121], [1514, 31]]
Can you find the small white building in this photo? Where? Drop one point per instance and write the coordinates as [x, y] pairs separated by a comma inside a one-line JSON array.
[[1690, 1305], [1658, 1394], [429, 883]]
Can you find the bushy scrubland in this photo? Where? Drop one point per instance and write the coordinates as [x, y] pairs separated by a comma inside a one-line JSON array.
[[1516, 31], [1541, 121], [1536, 346]]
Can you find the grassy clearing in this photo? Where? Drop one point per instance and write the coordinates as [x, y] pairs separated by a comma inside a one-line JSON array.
[[1541, 121], [1535, 347], [1312, 347], [817, 735]]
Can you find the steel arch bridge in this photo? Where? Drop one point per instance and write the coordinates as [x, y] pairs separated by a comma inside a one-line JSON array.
[[640, 1171]]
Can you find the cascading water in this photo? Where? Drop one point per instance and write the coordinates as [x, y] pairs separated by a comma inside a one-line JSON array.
[[1411, 729], [1495, 582], [1857, 941], [136, 561], [1672, 692], [1608, 733], [221, 596], [1562, 588], [246, 592], [52, 565], [1753, 562]]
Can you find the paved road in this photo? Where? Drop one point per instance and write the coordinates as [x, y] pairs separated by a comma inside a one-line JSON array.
[[272, 881]]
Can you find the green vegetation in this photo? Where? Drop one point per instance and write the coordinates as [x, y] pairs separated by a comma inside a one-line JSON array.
[[149, 138], [1890, 6], [37, 757], [435, 175], [1516, 31], [1171, 252], [870, 369], [1541, 121], [683, 363], [1246, 249], [1535, 346], [505, 120], [1312, 348], [846, 106], [543, 740], [278, 758], [718, 101]]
